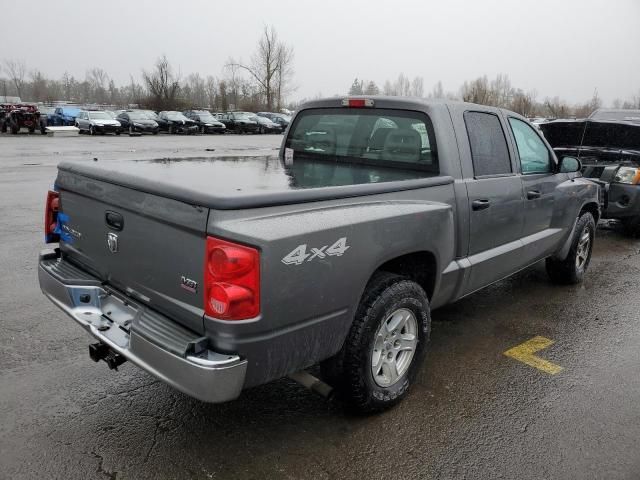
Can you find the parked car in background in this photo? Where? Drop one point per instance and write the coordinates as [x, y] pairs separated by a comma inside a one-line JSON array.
[[97, 121], [137, 121], [267, 126], [176, 122], [240, 122], [205, 121], [163, 125], [65, 116], [609, 150], [279, 118]]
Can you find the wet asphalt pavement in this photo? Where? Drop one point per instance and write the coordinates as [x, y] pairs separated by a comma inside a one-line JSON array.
[[473, 413]]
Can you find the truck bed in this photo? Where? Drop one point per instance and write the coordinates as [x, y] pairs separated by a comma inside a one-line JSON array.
[[227, 183]]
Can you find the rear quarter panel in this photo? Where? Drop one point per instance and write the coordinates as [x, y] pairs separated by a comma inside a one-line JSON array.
[[307, 308]]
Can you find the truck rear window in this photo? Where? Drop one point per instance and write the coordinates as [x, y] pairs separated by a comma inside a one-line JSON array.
[[375, 137]]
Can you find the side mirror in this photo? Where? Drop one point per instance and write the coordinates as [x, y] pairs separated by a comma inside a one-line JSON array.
[[570, 165]]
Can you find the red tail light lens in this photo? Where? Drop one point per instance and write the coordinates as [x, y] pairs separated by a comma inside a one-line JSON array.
[[51, 217], [232, 280]]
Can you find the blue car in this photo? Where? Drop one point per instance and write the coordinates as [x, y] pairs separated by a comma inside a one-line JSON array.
[[65, 116]]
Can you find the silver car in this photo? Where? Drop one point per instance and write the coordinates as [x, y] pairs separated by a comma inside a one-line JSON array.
[[97, 121]]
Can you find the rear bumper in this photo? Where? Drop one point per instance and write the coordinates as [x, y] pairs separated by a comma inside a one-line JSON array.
[[148, 339]]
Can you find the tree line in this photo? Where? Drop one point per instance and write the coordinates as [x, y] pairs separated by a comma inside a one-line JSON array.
[[498, 92], [262, 83]]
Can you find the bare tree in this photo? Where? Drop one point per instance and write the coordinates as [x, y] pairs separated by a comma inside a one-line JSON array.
[[417, 87], [268, 65], [39, 90], [17, 70], [284, 73], [556, 108], [476, 91], [163, 84], [437, 91]]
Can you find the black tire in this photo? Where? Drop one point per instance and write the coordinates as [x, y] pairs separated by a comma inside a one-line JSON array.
[[350, 371], [631, 226], [92, 131], [170, 129], [32, 129], [131, 131], [15, 128], [117, 132], [155, 132], [3, 126], [571, 270]]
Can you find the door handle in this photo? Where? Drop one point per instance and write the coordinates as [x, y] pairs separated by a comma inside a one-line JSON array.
[[533, 194], [480, 204]]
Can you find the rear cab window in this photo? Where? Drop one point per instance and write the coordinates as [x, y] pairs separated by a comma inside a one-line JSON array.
[[374, 140], [489, 151]]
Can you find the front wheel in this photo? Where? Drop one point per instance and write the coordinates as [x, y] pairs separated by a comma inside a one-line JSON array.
[[571, 270], [385, 346], [92, 131]]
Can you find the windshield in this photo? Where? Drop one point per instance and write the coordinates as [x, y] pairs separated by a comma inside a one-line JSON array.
[[99, 116], [150, 114], [246, 115], [207, 117], [176, 116], [138, 116], [377, 137]]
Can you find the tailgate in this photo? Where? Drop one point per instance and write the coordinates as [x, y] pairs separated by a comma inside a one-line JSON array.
[[149, 247]]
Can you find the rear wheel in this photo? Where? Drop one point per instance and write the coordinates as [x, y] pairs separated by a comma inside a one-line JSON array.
[[385, 346], [571, 270], [92, 131]]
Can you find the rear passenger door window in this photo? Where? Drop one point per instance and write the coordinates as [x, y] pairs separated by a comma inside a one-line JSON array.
[[489, 150], [534, 154]]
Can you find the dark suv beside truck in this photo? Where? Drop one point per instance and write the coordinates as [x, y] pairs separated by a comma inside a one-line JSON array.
[[219, 274]]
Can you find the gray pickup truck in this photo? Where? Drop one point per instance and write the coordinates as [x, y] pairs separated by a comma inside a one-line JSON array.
[[219, 274]]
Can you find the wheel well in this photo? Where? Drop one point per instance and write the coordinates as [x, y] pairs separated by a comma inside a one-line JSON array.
[[592, 208], [419, 267]]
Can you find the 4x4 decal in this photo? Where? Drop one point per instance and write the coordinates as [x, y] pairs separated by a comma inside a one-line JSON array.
[[299, 255]]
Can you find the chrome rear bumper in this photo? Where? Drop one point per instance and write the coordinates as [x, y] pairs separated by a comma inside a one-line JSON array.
[[112, 319]]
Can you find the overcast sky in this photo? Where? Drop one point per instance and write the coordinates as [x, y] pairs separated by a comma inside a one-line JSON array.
[[557, 47]]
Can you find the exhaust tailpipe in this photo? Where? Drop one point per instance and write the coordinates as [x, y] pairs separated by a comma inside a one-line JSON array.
[[313, 383]]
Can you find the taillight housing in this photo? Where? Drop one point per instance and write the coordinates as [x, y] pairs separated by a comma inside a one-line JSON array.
[[232, 280], [51, 210]]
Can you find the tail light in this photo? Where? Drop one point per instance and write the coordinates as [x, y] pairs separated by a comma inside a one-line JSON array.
[[232, 280], [51, 217]]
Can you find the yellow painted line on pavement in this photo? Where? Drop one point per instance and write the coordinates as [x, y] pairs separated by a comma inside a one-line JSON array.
[[525, 353]]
